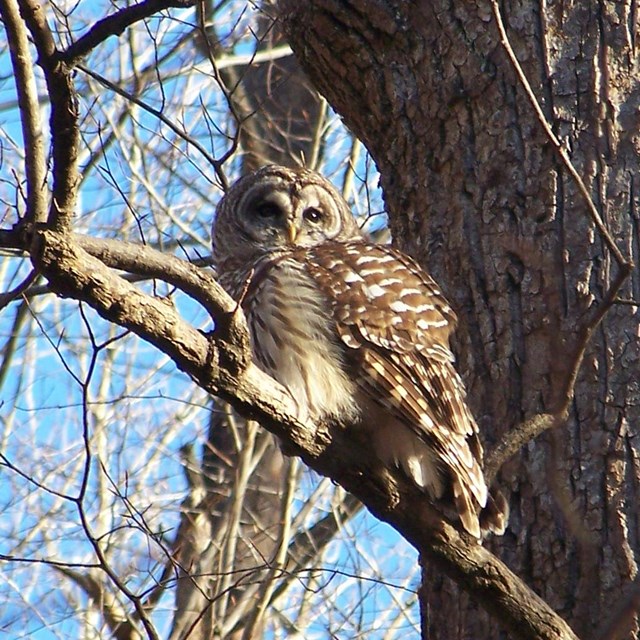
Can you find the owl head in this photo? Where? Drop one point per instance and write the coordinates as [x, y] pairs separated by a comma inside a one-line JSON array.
[[275, 208]]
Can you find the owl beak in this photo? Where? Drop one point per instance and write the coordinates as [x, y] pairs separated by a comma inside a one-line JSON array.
[[292, 231]]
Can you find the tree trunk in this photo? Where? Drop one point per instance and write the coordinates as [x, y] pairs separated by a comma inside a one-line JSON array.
[[477, 192]]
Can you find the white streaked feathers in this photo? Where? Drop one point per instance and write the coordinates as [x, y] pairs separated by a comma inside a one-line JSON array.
[[282, 330]]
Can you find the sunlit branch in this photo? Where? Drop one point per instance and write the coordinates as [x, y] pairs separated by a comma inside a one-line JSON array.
[[389, 497], [115, 25], [29, 106], [63, 123]]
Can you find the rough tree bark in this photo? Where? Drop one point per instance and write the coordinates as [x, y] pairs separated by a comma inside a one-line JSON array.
[[477, 192]]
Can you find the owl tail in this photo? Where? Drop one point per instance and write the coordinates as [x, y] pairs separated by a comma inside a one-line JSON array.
[[492, 518], [495, 516], [465, 504]]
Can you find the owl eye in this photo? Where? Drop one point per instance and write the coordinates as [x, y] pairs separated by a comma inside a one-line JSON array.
[[312, 215], [268, 210]]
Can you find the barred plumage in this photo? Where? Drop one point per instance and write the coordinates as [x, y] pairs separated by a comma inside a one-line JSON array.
[[357, 332]]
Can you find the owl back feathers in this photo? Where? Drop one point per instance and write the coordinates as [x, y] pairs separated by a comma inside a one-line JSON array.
[[396, 324]]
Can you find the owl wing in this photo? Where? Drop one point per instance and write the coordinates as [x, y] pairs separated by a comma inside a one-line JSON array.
[[396, 324]]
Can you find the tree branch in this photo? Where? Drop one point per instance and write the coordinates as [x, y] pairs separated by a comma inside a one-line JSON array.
[[65, 135], [150, 263], [332, 452], [219, 365], [117, 620], [35, 161], [215, 163], [216, 362], [115, 24]]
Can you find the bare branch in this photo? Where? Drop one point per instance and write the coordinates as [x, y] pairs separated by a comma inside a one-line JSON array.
[[120, 626], [65, 136], [115, 24], [216, 164], [35, 161], [73, 272], [7, 557], [150, 263], [586, 332]]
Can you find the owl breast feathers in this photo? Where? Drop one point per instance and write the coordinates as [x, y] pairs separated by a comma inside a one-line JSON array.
[[357, 332]]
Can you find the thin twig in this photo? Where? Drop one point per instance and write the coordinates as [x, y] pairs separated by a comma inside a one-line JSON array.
[[586, 332], [278, 565], [234, 515], [99, 552], [8, 557], [216, 164], [566, 161]]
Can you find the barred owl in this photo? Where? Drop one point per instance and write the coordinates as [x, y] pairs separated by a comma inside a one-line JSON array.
[[357, 332]]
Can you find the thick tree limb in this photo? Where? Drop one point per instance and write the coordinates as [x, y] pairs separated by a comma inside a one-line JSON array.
[[221, 364], [218, 364]]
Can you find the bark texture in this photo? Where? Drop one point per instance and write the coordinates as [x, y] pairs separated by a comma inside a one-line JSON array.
[[476, 192]]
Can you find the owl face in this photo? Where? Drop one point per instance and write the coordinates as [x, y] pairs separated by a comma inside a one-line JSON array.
[[277, 208]]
